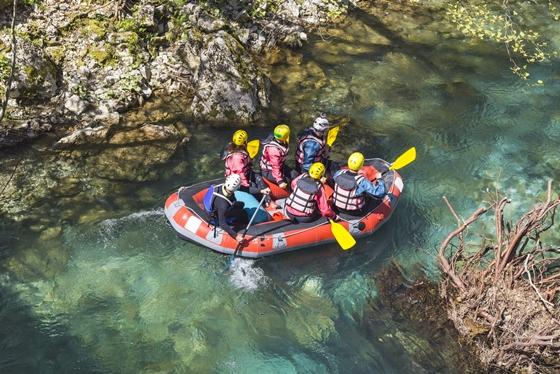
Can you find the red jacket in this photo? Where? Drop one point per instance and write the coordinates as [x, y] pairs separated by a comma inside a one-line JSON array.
[[273, 158], [238, 162]]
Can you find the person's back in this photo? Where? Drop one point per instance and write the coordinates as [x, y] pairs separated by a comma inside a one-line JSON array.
[[308, 201], [351, 187], [273, 159], [236, 158], [311, 145], [345, 197]]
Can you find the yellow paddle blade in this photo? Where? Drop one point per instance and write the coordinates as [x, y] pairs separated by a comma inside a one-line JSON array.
[[331, 136], [342, 236], [253, 147], [404, 159]]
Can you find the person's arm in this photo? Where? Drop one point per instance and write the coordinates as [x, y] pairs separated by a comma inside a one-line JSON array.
[[376, 189], [323, 204], [310, 150], [221, 207]]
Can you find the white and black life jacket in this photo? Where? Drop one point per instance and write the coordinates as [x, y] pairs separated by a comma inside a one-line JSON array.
[[272, 142], [303, 198], [309, 136], [346, 184]]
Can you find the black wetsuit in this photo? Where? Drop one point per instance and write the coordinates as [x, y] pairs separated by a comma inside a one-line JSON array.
[[225, 213]]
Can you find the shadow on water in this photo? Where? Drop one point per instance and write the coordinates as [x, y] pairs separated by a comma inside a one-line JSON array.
[[30, 345]]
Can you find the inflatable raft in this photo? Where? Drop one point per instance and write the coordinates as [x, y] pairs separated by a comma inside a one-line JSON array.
[[278, 234]]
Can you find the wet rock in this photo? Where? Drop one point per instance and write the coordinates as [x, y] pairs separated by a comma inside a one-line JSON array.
[[50, 233], [139, 153], [86, 136]]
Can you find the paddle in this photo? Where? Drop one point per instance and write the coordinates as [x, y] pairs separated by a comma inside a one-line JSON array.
[[240, 245], [342, 236], [331, 135], [404, 159], [253, 147]]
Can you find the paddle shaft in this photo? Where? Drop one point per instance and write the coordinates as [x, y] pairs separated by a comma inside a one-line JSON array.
[[239, 245]]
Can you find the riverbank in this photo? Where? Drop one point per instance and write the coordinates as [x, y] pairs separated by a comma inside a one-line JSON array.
[[81, 65]]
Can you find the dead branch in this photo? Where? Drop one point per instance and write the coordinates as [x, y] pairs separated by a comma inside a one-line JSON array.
[[441, 253], [508, 287]]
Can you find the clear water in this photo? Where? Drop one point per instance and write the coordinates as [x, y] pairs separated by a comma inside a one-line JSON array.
[[125, 295]]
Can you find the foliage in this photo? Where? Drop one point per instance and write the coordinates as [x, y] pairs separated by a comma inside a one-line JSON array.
[[513, 24], [4, 67]]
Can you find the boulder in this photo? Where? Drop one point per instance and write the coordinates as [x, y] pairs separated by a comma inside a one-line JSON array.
[[228, 86], [138, 154], [88, 135]]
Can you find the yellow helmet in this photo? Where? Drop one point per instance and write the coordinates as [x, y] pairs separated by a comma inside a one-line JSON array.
[[240, 137], [282, 133], [355, 161], [317, 170]]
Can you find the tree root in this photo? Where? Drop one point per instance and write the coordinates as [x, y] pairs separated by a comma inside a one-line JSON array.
[[504, 293]]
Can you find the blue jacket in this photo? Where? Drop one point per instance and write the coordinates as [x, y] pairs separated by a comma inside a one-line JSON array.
[[310, 150]]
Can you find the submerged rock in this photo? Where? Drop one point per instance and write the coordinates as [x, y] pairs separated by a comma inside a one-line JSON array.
[[138, 153], [418, 325]]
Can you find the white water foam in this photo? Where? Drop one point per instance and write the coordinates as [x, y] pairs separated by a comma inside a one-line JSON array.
[[136, 216], [245, 276], [109, 228]]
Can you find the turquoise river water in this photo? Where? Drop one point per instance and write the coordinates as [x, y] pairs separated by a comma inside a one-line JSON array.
[[125, 295]]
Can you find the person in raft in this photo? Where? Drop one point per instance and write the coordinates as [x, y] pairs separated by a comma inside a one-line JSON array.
[[237, 161], [273, 158], [308, 201], [351, 187], [312, 145], [225, 211]]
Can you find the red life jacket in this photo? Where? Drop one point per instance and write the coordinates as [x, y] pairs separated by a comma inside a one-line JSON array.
[[309, 136], [302, 199], [267, 146], [245, 167], [346, 184]]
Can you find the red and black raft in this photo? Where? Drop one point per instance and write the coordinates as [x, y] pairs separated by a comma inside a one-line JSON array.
[[187, 216]]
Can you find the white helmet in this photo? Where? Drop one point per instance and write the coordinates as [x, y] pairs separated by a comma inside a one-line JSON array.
[[232, 182], [321, 123]]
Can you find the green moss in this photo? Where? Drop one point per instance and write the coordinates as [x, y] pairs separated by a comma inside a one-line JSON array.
[[101, 55], [56, 54], [94, 27], [127, 24], [4, 67]]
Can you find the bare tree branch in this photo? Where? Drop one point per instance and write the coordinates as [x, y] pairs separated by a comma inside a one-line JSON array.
[[13, 63]]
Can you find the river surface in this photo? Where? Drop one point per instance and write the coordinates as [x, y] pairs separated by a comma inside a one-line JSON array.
[[125, 295]]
